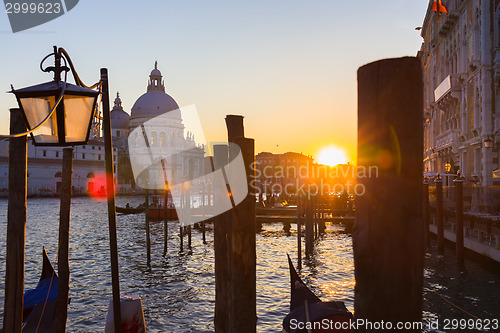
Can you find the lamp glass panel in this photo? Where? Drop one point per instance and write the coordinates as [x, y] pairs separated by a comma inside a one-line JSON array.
[[77, 113], [36, 110]]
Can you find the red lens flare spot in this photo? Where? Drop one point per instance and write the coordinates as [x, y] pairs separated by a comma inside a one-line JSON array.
[[96, 187]]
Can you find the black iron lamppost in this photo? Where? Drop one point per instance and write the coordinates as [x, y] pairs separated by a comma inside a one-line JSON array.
[[60, 114]]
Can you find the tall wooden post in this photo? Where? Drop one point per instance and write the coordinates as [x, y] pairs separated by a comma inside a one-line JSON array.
[[427, 213], [313, 212], [204, 207], [243, 252], [459, 219], [299, 231], [110, 191], [309, 226], [16, 226], [388, 234], [181, 239], [221, 319], [165, 221], [241, 248], [63, 252], [439, 214], [148, 233]]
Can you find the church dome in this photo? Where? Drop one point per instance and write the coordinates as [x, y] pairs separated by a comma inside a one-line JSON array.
[[119, 118], [155, 101]]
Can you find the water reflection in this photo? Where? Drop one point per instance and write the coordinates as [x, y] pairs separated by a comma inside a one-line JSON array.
[[178, 291]]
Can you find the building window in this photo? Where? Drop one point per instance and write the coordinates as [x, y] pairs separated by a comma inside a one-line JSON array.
[[99, 147], [93, 147], [153, 139], [83, 147], [57, 154], [118, 134], [83, 156], [99, 157], [162, 139], [44, 153]]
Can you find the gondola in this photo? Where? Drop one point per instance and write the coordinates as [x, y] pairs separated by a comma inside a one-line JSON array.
[[308, 314], [129, 210], [40, 303]]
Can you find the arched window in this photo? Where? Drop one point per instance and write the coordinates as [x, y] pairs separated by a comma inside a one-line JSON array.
[[154, 139], [58, 174], [162, 139], [90, 175]]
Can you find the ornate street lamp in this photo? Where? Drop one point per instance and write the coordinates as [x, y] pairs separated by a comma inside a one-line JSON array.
[[58, 113]]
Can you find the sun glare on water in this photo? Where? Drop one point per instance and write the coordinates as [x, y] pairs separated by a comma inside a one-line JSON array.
[[332, 155]]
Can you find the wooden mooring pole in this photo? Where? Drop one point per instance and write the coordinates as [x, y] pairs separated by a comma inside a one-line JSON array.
[[16, 226], [299, 231], [110, 192], [63, 251], [221, 318], [165, 220], [148, 235], [309, 224], [439, 214], [388, 234], [459, 220], [243, 300], [427, 213]]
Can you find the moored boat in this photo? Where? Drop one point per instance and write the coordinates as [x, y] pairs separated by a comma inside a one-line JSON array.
[[308, 314]]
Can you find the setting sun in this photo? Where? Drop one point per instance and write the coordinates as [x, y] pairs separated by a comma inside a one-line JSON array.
[[332, 155]]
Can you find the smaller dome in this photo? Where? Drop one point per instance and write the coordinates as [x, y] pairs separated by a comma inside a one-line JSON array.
[[155, 71], [119, 118]]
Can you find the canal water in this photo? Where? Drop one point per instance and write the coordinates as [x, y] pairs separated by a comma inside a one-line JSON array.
[[178, 291]]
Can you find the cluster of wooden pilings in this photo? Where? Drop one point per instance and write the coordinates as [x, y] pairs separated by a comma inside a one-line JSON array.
[[459, 216], [310, 213], [234, 237], [184, 231]]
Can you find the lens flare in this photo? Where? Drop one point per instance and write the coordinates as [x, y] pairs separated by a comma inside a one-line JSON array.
[[97, 187], [332, 155]]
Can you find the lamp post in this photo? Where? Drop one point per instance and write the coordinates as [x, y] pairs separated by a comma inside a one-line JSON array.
[[489, 141], [60, 114]]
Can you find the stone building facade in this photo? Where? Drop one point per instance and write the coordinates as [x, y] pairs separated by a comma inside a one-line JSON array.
[[461, 71]]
